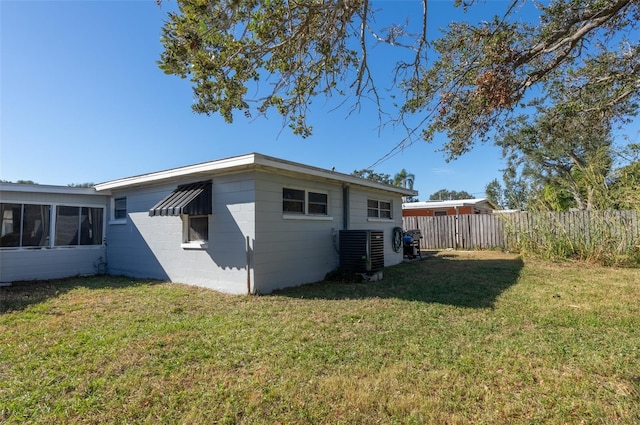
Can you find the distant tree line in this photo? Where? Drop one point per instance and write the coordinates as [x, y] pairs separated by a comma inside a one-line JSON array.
[[87, 184]]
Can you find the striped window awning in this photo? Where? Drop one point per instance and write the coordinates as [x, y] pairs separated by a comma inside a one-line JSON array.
[[190, 199]]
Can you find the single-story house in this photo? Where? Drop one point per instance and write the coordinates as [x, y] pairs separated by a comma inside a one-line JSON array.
[[452, 207], [247, 224]]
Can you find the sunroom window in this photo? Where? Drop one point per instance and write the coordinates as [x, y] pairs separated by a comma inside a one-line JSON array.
[[28, 225], [78, 226]]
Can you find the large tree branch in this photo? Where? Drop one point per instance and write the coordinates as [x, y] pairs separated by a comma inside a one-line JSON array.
[[567, 35]]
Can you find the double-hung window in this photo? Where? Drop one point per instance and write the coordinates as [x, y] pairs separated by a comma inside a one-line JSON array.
[[297, 201], [378, 208], [317, 203], [293, 201], [120, 208]]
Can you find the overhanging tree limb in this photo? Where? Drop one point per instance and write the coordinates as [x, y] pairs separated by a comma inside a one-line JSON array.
[[462, 83]]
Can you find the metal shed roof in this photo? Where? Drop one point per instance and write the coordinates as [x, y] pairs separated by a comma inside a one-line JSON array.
[[192, 199]]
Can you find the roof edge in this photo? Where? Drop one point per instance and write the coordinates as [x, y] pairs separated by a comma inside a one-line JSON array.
[[45, 188], [156, 176], [252, 160], [447, 203]]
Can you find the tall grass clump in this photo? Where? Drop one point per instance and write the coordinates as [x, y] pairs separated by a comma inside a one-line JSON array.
[[610, 238]]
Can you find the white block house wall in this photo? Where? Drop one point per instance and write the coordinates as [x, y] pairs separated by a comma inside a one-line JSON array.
[[253, 244]]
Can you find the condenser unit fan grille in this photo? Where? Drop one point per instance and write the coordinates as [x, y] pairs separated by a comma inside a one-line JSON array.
[[361, 251]]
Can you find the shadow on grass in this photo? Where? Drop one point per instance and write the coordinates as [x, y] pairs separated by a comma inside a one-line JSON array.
[[452, 280], [21, 295]]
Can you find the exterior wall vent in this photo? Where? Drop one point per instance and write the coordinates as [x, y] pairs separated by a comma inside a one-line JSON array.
[[361, 251]]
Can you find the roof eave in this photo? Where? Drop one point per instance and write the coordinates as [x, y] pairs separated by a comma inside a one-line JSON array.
[[42, 188], [250, 161]]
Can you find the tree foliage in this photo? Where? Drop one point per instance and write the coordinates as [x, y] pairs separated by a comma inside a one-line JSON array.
[[300, 49], [369, 174], [258, 55], [484, 71], [404, 179], [446, 195], [495, 194], [624, 182], [19, 181], [564, 150], [86, 184], [558, 150]]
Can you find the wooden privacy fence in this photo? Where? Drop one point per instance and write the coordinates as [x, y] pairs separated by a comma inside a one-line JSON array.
[[487, 231]]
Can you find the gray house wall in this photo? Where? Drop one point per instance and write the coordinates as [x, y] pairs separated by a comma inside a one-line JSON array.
[[34, 263], [360, 221], [292, 250], [284, 249], [151, 247]]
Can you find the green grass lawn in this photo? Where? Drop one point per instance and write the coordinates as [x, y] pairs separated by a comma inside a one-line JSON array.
[[457, 338]]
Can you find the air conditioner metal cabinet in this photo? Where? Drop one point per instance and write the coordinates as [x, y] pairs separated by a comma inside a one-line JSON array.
[[361, 251]]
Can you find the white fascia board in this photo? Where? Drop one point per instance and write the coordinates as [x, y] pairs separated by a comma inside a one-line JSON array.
[[252, 160], [41, 188], [331, 175], [204, 167]]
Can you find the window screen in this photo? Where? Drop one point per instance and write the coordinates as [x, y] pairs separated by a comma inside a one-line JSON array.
[[198, 228], [293, 201]]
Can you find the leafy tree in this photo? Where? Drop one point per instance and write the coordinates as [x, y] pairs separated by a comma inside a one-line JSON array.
[[369, 174], [257, 55], [625, 181], [401, 179], [495, 193], [514, 195], [550, 197], [563, 149], [82, 184], [445, 195], [517, 190], [404, 179]]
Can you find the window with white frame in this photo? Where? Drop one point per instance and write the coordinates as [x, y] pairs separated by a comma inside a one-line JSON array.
[[378, 208], [120, 208], [297, 201]]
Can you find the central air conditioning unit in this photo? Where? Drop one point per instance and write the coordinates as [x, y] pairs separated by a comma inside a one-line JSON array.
[[362, 251]]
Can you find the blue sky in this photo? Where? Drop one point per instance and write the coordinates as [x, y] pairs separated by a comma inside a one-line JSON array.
[[82, 100]]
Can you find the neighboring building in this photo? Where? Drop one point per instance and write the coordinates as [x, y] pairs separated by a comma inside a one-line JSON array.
[[49, 232], [453, 207], [250, 223]]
